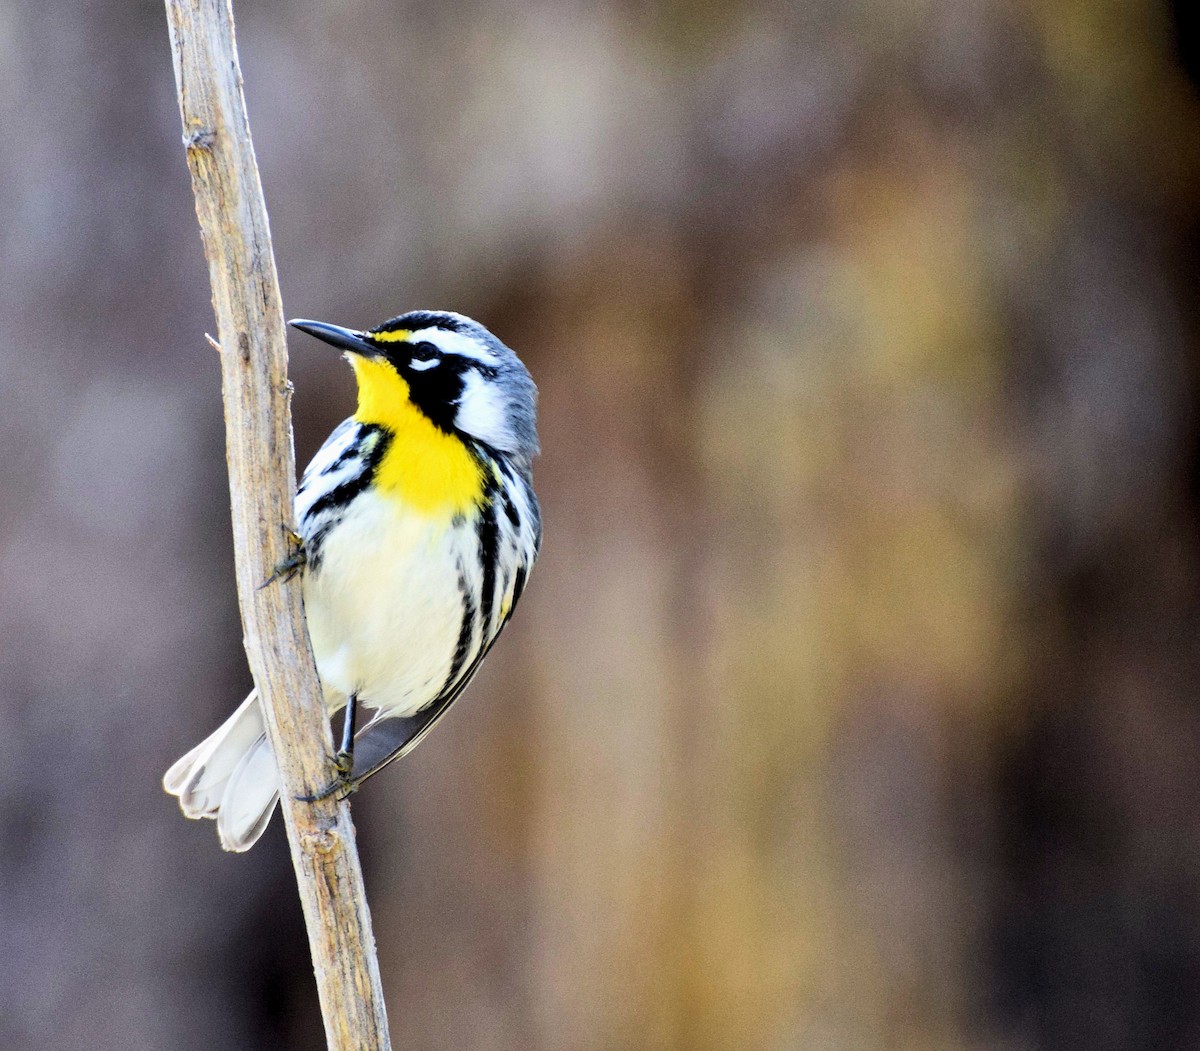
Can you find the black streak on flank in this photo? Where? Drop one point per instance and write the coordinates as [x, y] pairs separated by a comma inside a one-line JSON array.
[[313, 554], [518, 586], [351, 452], [510, 510], [465, 633], [339, 496], [489, 542], [330, 505]]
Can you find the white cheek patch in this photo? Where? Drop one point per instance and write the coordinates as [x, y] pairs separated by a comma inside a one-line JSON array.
[[417, 365], [481, 411]]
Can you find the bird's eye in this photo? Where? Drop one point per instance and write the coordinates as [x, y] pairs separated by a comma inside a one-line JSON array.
[[424, 356]]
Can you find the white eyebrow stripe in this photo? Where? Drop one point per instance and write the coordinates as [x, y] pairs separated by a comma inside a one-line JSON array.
[[455, 343]]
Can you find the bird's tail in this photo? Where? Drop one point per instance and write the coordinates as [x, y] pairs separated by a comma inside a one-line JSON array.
[[230, 776]]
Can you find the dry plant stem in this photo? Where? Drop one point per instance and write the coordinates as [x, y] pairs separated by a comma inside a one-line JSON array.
[[245, 291]]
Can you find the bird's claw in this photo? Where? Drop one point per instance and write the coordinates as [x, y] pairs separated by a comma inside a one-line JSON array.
[[291, 565], [343, 763]]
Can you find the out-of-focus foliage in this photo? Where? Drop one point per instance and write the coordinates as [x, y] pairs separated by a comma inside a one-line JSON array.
[[852, 705]]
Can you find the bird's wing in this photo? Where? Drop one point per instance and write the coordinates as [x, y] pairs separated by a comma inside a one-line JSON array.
[[334, 446]]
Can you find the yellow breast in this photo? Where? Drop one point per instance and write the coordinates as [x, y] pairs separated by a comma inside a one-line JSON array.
[[431, 471]]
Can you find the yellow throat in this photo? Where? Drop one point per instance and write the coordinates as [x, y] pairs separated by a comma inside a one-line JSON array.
[[432, 472]]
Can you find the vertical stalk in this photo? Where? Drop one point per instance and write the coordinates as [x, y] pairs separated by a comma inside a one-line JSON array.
[[261, 460]]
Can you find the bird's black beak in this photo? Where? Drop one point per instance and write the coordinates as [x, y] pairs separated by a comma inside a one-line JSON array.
[[335, 335]]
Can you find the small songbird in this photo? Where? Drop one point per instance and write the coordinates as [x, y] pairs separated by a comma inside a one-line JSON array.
[[418, 527]]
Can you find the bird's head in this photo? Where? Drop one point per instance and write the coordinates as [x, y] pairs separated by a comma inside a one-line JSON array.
[[450, 368]]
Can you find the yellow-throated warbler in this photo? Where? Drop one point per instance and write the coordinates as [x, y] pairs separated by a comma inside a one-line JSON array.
[[419, 527]]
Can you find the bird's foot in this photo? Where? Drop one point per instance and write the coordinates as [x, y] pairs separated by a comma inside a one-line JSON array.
[[291, 565], [343, 763]]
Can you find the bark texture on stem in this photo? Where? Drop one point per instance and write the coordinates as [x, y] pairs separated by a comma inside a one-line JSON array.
[[261, 460]]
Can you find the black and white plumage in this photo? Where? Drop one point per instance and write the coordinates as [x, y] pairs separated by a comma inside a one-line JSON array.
[[420, 526]]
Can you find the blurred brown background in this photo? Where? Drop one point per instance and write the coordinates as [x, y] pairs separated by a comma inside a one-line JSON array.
[[853, 703]]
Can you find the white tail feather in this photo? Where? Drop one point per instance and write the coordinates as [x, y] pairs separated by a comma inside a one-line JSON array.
[[230, 776], [250, 798]]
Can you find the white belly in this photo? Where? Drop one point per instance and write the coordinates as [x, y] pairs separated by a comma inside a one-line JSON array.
[[385, 608]]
